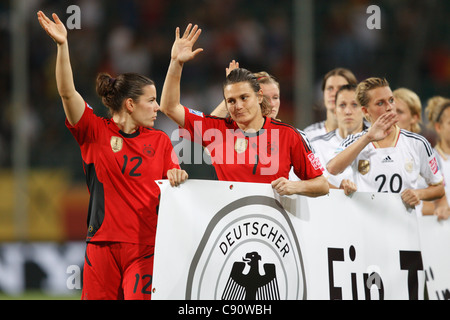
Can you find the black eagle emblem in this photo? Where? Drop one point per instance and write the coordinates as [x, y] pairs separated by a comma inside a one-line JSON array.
[[253, 285]]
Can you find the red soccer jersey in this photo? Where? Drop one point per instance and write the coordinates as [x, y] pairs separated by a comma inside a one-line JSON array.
[[121, 170], [261, 157]]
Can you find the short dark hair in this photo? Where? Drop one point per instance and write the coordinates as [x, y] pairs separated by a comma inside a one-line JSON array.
[[243, 75], [345, 87]]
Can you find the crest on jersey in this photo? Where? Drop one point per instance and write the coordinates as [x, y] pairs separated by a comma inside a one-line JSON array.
[[241, 145], [116, 143], [363, 166], [148, 150], [409, 165]]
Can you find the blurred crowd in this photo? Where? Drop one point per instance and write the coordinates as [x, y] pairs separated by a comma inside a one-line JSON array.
[[411, 50]]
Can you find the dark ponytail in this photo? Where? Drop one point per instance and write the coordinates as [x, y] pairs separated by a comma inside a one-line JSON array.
[[114, 91]]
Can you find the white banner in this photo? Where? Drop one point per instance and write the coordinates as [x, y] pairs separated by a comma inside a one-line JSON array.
[[234, 240], [435, 243]]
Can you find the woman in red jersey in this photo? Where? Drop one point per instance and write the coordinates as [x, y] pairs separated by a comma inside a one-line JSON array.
[[249, 146], [122, 157]]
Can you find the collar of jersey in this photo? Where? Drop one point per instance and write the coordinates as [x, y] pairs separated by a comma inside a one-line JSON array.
[[130, 135], [124, 134], [254, 134]]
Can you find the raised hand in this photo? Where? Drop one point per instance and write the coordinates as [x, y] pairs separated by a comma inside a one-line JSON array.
[[233, 65], [182, 47], [73, 102], [56, 30], [383, 126]]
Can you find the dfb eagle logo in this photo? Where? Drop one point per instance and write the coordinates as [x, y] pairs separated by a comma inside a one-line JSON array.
[[252, 285]]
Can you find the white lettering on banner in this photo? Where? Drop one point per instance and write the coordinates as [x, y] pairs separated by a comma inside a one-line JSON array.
[[250, 243]]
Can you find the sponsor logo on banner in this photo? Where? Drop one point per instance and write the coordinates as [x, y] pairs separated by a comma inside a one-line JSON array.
[[249, 251]]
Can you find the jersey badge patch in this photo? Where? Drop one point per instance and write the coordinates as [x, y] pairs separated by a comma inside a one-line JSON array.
[[315, 161], [240, 145], [116, 143], [197, 113], [363, 166], [434, 165]]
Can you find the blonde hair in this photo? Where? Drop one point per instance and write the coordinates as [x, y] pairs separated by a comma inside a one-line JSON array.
[[413, 102], [363, 88], [265, 78], [435, 107]]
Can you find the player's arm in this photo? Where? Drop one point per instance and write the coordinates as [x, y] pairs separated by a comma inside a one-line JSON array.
[[439, 208], [72, 101], [315, 187], [442, 209], [313, 183], [181, 53], [429, 169], [378, 131], [412, 197], [345, 158]]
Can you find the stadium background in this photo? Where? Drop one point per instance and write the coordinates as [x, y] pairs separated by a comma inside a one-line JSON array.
[[43, 197]]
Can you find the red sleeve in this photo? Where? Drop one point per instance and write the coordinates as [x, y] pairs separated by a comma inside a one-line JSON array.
[[306, 164], [85, 129], [194, 124]]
